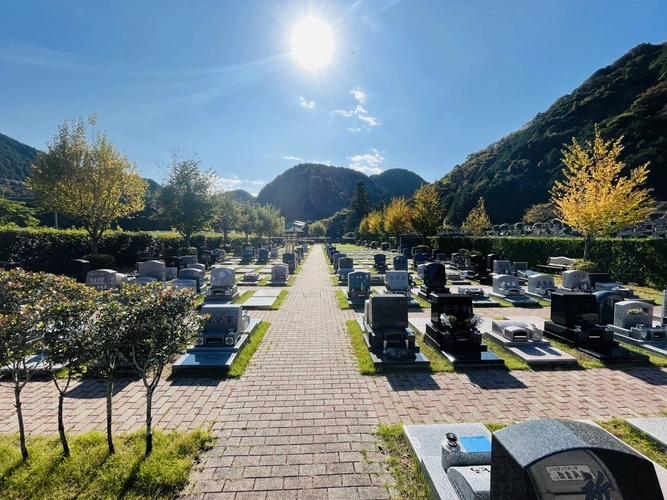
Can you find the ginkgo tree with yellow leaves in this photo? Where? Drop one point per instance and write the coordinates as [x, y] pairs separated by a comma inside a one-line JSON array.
[[594, 198], [397, 218], [477, 221], [90, 181]]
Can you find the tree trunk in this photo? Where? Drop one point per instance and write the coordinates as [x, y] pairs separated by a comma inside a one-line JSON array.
[[110, 445], [187, 240], [93, 244], [61, 424], [19, 414], [149, 421], [587, 245], [224, 238]]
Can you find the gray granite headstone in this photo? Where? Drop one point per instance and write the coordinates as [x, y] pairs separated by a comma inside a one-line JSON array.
[[540, 284], [506, 284], [153, 269], [143, 280], [576, 280], [629, 313], [222, 277], [102, 279], [279, 272], [397, 281], [502, 267], [187, 260], [185, 283]]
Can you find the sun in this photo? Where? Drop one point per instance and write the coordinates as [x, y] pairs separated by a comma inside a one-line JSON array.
[[312, 43]]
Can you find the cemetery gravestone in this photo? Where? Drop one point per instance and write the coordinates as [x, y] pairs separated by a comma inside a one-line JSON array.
[[143, 280], [193, 274], [453, 330], [541, 285], [577, 281], [102, 279], [359, 286], [502, 267], [184, 283], [290, 260], [172, 267], [435, 280], [400, 263], [222, 285], [188, 260], [152, 269], [77, 269], [279, 274]]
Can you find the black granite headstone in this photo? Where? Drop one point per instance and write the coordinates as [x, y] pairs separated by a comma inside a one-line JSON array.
[[552, 459]]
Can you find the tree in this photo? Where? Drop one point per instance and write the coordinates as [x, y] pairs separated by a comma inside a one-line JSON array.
[[91, 182], [186, 201], [359, 201], [376, 222], [317, 229], [267, 220], [397, 217], [477, 221], [228, 213], [542, 212], [427, 211], [157, 325], [66, 322], [107, 342], [21, 348], [17, 214], [247, 219], [594, 198]]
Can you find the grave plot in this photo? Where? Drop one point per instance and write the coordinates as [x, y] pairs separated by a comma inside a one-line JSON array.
[[576, 320], [537, 459], [506, 287], [385, 329], [525, 340], [655, 428], [224, 335], [633, 324], [454, 331], [478, 296], [263, 297], [398, 283]]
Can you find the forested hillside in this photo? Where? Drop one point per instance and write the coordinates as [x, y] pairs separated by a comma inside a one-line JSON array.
[[627, 98]]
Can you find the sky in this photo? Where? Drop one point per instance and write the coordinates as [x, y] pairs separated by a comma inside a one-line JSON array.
[[414, 84]]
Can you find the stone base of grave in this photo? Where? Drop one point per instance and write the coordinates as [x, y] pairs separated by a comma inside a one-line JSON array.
[[377, 279], [276, 283], [381, 360], [604, 350], [516, 300], [469, 355], [411, 301], [426, 294], [211, 361], [426, 444], [479, 300], [459, 282], [538, 296], [657, 347], [356, 300], [533, 352]]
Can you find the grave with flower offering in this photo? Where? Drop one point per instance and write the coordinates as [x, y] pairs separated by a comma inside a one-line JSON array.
[[454, 330]]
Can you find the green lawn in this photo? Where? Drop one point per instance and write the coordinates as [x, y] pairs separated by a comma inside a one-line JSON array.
[[92, 473]]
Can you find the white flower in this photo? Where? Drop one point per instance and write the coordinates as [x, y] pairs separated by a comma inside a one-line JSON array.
[[444, 319], [475, 321]]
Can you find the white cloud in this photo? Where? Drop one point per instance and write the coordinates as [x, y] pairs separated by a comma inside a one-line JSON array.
[[223, 184], [295, 158], [358, 94], [360, 112], [369, 164], [301, 160], [306, 104]]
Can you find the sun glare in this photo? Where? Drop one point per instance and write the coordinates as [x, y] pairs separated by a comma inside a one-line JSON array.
[[312, 43]]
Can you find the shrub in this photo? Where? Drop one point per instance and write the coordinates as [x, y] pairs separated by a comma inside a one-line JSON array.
[[187, 251], [101, 261], [584, 265]]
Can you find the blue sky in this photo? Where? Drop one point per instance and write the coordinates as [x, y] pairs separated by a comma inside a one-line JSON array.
[[411, 84]]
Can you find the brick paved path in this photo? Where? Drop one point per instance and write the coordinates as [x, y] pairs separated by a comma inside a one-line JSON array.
[[300, 423]]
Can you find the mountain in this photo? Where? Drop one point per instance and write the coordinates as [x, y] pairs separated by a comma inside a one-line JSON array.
[[627, 98], [312, 191], [15, 158], [240, 195], [398, 181]]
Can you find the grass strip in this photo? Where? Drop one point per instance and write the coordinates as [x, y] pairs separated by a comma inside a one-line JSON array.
[[438, 363], [403, 464], [637, 439], [276, 305], [264, 281], [366, 366], [91, 472], [243, 297], [242, 359], [342, 300], [291, 280], [512, 361]]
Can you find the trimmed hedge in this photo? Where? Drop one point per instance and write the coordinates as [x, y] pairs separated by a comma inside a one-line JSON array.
[[641, 261]]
